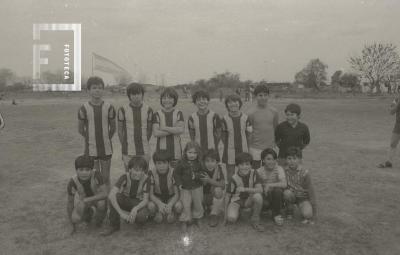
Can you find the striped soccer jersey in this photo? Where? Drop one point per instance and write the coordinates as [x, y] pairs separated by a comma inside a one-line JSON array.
[[97, 119], [137, 125], [170, 143], [203, 129], [236, 130]]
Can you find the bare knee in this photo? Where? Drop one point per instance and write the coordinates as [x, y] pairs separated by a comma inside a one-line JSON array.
[[75, 217], [158, 218], [232, 214], [288, 196], [171, 218], [178, 207], [152, 207], [257, 198], [101, 205]]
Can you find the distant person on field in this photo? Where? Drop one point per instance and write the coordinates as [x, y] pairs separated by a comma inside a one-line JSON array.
[[130, 196], [164, 194], [96, 120], [135, 125], [2, 123], [236, 129], [291, 132], [394, 141], [264, 119], [204, 125], [86, 194], [168, 125], [299, 190]]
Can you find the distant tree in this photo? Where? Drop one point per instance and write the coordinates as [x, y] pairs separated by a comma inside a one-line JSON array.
[[335, 79], [6, 77], [350, 80], [313, 75], [377, 63]]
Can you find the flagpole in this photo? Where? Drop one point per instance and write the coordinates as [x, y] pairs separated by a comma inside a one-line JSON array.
[[92, 63]]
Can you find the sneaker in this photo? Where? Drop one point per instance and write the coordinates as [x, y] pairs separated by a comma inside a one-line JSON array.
[[213, 221], [387, 164]]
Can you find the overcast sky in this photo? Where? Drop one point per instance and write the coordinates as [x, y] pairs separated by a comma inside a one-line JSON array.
[[192, 39]]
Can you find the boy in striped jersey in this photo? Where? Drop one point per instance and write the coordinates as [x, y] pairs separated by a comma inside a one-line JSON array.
[[244, 191], [135, 125], [300, 191], [130, 196], [213, 186], [168, 125], [204, 125], [236, 128], [97, 126], [164, 194], [86, 194]]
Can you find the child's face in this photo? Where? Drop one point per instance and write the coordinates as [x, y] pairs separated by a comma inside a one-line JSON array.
[[210, 163], [262, 98], [96, 91], [233, 106], [202, 103], [244, 168], [136, 99], [136, 173], [167, 102], [162, 166], [291, 117], [269, 161], [191, 154], [83, 173], [292, 162]]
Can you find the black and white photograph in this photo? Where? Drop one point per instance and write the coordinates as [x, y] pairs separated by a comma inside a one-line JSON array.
[[200, 127]]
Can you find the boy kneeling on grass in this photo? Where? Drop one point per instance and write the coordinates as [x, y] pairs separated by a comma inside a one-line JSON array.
[[214, 185], [244, 191], [130, 196], [86, 194], [300, 191], [164, 194]]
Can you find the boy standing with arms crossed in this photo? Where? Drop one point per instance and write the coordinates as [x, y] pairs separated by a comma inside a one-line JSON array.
[[204, 125], [97, 126], [135, 125]]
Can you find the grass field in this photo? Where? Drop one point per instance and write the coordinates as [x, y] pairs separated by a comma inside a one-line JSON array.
[[359, 205]]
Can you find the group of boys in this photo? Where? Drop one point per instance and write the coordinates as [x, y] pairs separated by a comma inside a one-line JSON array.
[[251, 175]]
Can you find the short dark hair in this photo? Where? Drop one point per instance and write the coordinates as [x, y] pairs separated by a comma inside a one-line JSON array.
[[134, 88], [293, 108], [200, 94], [268, 151], [171, 93], [138, 161], [233, 98], [84, 161], [211, 153], [94, 80], [243, 157], [161, 155], [261, 88], [293, 151]]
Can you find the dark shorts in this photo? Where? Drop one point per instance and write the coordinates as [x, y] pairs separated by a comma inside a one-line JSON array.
[[106, 157]]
